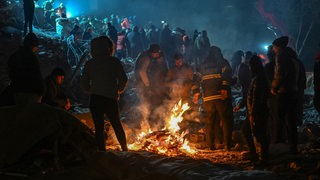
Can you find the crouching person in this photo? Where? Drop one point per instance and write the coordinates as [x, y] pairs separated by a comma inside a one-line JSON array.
[[55, 95]]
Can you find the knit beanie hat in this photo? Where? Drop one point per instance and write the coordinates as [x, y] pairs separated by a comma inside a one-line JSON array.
[[281, 41]]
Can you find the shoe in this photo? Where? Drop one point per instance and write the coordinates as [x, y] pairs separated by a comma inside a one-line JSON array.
[[124, 148]]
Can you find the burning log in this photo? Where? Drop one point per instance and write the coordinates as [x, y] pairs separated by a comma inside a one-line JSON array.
[[167, 141]]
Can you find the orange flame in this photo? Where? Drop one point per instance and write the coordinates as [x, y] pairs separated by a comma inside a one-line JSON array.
[[173, 141]]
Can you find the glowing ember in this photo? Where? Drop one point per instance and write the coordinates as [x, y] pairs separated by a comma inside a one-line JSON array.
[[168, 141]]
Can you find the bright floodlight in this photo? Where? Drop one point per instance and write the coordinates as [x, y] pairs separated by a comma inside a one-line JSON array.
[[69, 15]]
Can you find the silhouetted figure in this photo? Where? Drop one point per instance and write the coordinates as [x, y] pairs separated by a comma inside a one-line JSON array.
[[201, 47], [48, 11], [112, 34], [301, 83], [152, 35], [135, 40], [177, 38], [28, 7], [123, 45], [244, 79], [256, 123], [276, 133], [24, 72], [236, 61], [63, 26], [166, 44], [186, 49], [285, 87], [105, 79]]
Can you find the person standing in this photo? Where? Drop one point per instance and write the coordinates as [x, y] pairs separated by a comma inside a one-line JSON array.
[[24, 71], [135, 42], [105, 79], [257, 108], [244, 78], [112, 34], [275, 131], [285, 87], [201, 47], [216, 84], [48, 11], [28, 7]]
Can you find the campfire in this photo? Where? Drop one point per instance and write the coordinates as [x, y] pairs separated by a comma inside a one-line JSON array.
[[168, 141]]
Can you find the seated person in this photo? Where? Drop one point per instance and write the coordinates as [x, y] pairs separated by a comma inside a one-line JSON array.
[[54, 94]]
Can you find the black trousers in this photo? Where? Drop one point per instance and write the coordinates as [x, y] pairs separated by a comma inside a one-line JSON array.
[[99, 107], [28, 17], [287, 104], [216, 111], [275, 125], [259, 131]]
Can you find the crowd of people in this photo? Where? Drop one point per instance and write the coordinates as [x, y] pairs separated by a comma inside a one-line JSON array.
[[170, 65], [129, 36]]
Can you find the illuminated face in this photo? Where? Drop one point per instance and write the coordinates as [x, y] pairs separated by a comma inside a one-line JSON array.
[[155, 55], [34, 49], [59, 79], [276, 49], [179, 63]]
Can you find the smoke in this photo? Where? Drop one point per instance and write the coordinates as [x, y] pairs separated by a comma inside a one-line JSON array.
[[145, 117]]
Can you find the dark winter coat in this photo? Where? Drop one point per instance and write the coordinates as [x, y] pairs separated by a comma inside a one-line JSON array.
[[216, 76], [286, 74], [24, 72], [258, 92], [54, 94]]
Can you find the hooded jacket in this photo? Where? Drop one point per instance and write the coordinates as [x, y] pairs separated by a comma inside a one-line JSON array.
[[104, 76]]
